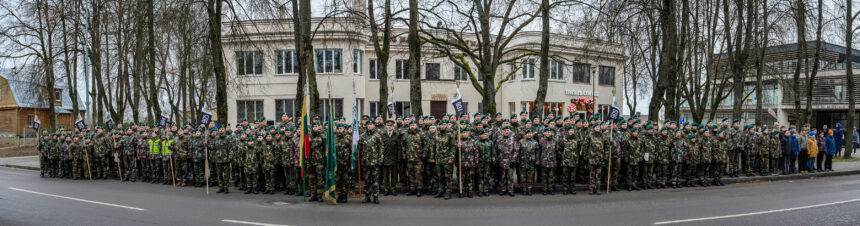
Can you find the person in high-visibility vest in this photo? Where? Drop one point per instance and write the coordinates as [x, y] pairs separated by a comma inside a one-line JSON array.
[[166, 141]]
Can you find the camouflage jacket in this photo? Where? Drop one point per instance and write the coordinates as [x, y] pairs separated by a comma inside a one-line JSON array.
[[469, 153], [597, 148], [528, 149], [663, 152], [413, 140], [693, 154], [570, 151], [317, 152], [708, 145], [679, 149], [251, 155], [633, 150], [344, 149], [506, 147], [548, 152], [720, 150], [446, 147], [487, 151], [370, 148], [270, 155]]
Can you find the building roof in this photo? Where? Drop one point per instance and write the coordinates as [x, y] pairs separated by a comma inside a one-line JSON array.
[[790, 50], [27, 93]]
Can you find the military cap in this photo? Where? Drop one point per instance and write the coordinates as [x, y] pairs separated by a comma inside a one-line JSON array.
[[549, 129], [464, 129], [634, 129], [513, 115], [725, 119], [695, 124], [498, 113], [691, 136], [369, 122], [484, 131], [649, 127], [736, 120], [527, 130]]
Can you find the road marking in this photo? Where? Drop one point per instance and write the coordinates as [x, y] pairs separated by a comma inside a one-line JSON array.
[[77, 199], [251, 223], [754, 213]]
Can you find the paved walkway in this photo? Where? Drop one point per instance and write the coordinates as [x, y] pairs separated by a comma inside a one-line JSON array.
[[840, 169]]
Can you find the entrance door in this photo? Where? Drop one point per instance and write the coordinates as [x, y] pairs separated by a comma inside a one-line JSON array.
[[437, 108]]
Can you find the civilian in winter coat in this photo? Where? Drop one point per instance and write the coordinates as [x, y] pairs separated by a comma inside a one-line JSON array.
[[822, 148], [803, 153], [839, 137], [795, 149], [856, 140], [813, 151], [831, 150], [785, 145]]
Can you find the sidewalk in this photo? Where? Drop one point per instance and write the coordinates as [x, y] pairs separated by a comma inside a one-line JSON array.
[[840, 169]]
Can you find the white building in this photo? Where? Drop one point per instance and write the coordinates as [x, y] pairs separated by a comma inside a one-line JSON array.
[[261, 72]]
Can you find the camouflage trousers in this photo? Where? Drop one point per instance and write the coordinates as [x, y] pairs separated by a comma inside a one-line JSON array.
[[155, 169], [43, 164], [527, 178], [691, 172], [269, 173], [647, 173], [223, 175], [250, 176], [675, 171], [415, 180], [99, 166], [289, 176], [468, 175], [182, 173], [484, 175], [430, 175], [548, 178], [316, 179], [507, 179], [199, 171], [77, 167], [594, 172], [632, 174], [444, 179], [129, 165], [568, 177], [167, 172], [774, 165], [370, 182], [734, 161], [717, 169], [343, 179], [51, 166], [750, 162], [764, 162], [704, 172], [662, 172], [614, 171]]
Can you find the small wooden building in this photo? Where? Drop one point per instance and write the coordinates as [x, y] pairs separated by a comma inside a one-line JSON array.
[[22, 99]]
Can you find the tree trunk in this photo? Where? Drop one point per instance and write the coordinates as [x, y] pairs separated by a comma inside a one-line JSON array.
[[382, 53], [762, 47], [217, 53], [849, 74], [800, 22], [810, 84], [668, 58], [414, 60], [540, 97]]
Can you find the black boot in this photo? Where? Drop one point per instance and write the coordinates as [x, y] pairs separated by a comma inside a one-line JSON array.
[[314, 198], [573, 191], [365, 200], [629, 188], [220, 190], [613, 188], [511, 194], [545, 192], [418, 193], [226, 191], [410, 193], [375, 200], [636, 188], [551, 192], [247, 191], [439, 195], [447, 195], [469, 194]]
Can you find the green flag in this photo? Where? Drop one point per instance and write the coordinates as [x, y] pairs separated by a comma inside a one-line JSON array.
[[331, 161]]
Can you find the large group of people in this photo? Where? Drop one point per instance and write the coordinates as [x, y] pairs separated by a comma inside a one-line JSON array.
[[421, 155]]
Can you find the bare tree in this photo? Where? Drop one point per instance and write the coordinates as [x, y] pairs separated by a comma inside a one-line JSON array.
[[414, 60], [381, 47], [849, 70]]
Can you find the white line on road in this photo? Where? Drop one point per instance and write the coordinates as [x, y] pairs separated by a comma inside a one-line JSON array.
[[754, 213], [251, 223], [76, 199]]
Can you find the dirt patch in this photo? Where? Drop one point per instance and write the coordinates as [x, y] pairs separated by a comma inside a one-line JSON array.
[[18, 151]]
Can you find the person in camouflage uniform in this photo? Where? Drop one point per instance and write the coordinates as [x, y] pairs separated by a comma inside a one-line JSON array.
[[343, 178], [289, 160], [469, 157], [413, 138], [181, 145], [506, 146], [707, 149], [775, 151], [269, 161], [370, 152], [316, 163], [101, 153], [42, 147], [662, 156], [128, 144], [77, 155], [198, 156], [247, 154], [528, 150], [720, 158], [548, 149], [488, 156], [647, 150], [615, 138], [220, 155], [691, 160], [167, 139], [570, 153], [679, 151], [596, 158], [633, 155], [444, 155], [750, 151], [154, 147], [734, 139]]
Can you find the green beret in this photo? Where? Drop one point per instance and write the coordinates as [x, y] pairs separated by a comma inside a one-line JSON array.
[[513, 115], [527, 130], [389, 122], [649, 127], [691, 136], [484, 131], [700, 126], [695, 124], [725, 119], [664, 128], [736, 120], [464, 129], [634, 129], [498, 113], [686, 123]]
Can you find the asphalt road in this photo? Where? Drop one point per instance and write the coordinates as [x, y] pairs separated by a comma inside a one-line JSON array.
[[26, 199]]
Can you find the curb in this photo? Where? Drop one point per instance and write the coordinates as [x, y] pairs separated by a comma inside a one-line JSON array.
[[22, 167]]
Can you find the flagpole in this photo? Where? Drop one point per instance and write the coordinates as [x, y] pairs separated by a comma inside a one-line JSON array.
[[206, 157], [459, 151]]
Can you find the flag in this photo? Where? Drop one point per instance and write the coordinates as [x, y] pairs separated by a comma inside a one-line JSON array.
[[36, 123], [109, 124], [458, 103], [162, 121], [391, 105], [355, 125], [205, 116], [331, 160], [303, 136], [614, 113], [80, 124]]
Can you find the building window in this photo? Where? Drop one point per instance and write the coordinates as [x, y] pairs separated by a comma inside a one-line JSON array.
[[460, 73], [286, 62], [374, 108], [325, 105], [401, 69], [465, 107], [480, 107], [249, 109], [356, 62], [580, 73], [431, 71], [328, 61], [249, 63], [555, 108], [360, 106], [607, 75], [58, 95], [513, 75], [556, 70], [30, 119], [402, 108], [529, 69], [512, 107], [284, 106], [372, 69]]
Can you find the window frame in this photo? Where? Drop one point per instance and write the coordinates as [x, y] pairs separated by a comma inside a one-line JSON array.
[[461, 73], [356, 61], [603, 72], [278, 110], [585, 75], [328, 59], [438, 67], [401, 69], [281, 62], [556, 70], [243, 104], [254, 56], [372, 69], [528, 67]]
